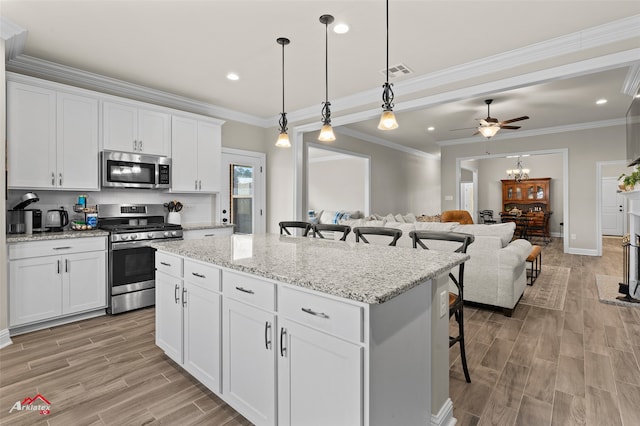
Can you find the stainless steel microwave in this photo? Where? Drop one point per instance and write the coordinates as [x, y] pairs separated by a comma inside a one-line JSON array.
[[128, 170]]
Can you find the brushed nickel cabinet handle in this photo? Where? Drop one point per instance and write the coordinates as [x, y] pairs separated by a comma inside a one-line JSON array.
[[198, 275], [176, 297], [267, 335], [140, 146], [60, 179], [196, 185], [58, 262], [66, 265], [184, 297], [244, 290], [62, 248], [135, 145], [200, 185], [53, 179], [314, 313], [283, 335], [165, 264]]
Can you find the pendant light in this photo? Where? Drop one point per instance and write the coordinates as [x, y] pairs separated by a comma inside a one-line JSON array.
[[388, 118], [326, 133], [283, 138]]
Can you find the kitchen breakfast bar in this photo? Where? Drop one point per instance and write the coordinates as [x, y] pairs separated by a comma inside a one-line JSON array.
[[304, 331]]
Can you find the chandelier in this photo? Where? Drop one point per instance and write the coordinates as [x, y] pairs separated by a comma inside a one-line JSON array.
[[519, 173]]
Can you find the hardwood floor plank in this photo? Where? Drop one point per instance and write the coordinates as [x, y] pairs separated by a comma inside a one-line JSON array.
[[548, 347], [523, 350], [629, 397], [570, 378], [497, 355], [568, 410], [617, 338], [625, 367], [601, 408], [542, 380], [533, 412], [598, 372], [510, 329]]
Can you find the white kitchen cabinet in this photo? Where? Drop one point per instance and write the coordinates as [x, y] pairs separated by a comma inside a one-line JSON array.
[[56, 278], [188, 316], [52, 138], [133, 128], [196, 153], [320, 378], [249, 362]]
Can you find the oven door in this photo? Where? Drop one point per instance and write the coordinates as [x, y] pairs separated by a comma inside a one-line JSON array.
[[132, 267]]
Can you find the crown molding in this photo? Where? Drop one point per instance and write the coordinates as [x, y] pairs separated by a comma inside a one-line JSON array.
[[539, 132], [41, 68], [14, 37], [632, 80], [379, 141]]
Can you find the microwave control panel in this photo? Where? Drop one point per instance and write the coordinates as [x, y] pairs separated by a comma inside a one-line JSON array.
[[163, 174]]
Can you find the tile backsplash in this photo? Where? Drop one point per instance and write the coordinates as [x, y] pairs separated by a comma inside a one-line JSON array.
[[198, 208]]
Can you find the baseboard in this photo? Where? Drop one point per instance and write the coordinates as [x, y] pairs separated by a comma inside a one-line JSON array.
[[5, 338], [15, 331], [582, 252], [445, 415]]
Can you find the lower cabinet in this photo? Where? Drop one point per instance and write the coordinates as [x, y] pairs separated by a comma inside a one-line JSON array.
[[249, 361], [51, 279], [320, 378], [188, 316]]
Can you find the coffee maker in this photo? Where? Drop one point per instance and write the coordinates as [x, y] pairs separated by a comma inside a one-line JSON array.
[[21, 220]]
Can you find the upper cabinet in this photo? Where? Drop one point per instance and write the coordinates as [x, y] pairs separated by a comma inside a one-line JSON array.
[[52, 138], [196, 154], [129, 128]]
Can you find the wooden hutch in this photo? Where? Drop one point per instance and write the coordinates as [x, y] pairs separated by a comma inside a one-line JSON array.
[[532, 197]]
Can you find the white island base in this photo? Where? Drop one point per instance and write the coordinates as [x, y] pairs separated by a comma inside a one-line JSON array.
[[290, 355]]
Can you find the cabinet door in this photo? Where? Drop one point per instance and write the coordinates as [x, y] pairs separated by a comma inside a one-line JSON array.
[[209, 156], [154, 132], [84, 282], [120, 127], [249, 361], [184, 154], [202, 335], [31, 136], [35, 289], [77, 142], [169, 316], [320, 378]]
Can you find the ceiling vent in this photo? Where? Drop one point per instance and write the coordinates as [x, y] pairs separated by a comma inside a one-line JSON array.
[[396, 71]]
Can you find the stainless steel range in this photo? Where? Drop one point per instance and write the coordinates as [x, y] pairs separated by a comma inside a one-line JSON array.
[[131, 228]]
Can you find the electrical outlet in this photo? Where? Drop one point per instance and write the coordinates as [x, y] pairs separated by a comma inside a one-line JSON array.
[[448, 197], [573, 236], [444, 303]]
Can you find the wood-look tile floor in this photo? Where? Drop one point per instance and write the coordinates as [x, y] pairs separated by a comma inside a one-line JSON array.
[[539, 367]]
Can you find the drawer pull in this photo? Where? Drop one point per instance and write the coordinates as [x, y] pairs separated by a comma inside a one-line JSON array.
[[267, 335], [62, 248], [165, 264], [175, 294], [195, 274], [184, 297], [283, 335], [314, 313], [244, 290], [209, 235]]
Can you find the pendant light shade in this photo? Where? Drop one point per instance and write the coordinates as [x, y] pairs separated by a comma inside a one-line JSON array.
[[283, 137], [326, 133], [387, 119]]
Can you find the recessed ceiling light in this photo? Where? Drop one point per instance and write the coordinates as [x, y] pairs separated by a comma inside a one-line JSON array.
[[601, 101], [431, 129], [233, 76], [341, 28]]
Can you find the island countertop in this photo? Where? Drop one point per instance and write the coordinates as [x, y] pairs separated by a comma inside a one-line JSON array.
[[366, 273]]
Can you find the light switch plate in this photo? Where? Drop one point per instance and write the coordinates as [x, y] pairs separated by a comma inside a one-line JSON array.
[[448, 197]]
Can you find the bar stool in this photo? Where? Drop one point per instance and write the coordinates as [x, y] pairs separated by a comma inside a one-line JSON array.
[[285, 226], [330, 227], [361, 231], [456, 301]]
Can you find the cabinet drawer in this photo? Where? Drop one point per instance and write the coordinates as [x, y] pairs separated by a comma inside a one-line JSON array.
[[56, 247], [250, 290], [206, 276], [332, 316], [169, 264]]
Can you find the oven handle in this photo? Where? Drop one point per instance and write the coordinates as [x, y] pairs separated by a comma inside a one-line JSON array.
[[130, 245]]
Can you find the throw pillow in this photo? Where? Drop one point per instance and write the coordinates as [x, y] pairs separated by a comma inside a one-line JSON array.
[[389, 218], [410, 218], [399, 218]]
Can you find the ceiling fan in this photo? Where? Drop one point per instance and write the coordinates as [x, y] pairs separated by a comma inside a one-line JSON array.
[[489, 126]]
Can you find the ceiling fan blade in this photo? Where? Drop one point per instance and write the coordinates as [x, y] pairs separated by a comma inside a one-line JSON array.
[[510, 127], [524, 117], [483, 122]]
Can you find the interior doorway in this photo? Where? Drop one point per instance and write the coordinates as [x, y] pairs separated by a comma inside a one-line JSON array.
[[613, 208], [243, 191]]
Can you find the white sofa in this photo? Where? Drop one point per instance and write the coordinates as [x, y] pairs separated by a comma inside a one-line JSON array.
[[496, 272]]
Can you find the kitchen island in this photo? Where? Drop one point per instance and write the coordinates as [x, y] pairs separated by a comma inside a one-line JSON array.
[[293, 331]]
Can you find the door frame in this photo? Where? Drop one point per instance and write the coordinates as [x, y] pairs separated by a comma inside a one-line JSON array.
[[599, 166], [260, 220]]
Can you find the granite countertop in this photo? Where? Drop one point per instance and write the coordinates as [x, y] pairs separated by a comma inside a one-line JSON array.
[[197, 226], [363, 272], [42, 236]]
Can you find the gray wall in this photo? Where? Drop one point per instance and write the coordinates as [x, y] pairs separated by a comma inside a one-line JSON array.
[[4, 314], [585, 149], [337, 184]]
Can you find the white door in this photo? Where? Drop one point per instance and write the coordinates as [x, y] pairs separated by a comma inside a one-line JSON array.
[[467, 197], [242, 195], [612, 208]]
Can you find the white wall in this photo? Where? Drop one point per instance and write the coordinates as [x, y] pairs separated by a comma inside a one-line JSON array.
[[585, 148], [4, 314], [337, 183]]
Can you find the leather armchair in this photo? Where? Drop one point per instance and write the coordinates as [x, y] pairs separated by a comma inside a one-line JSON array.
[[461, 216]]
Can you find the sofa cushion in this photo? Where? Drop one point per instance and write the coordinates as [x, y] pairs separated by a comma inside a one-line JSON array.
[[502, 230], [399, 218], [435, 226], [409, 218]]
